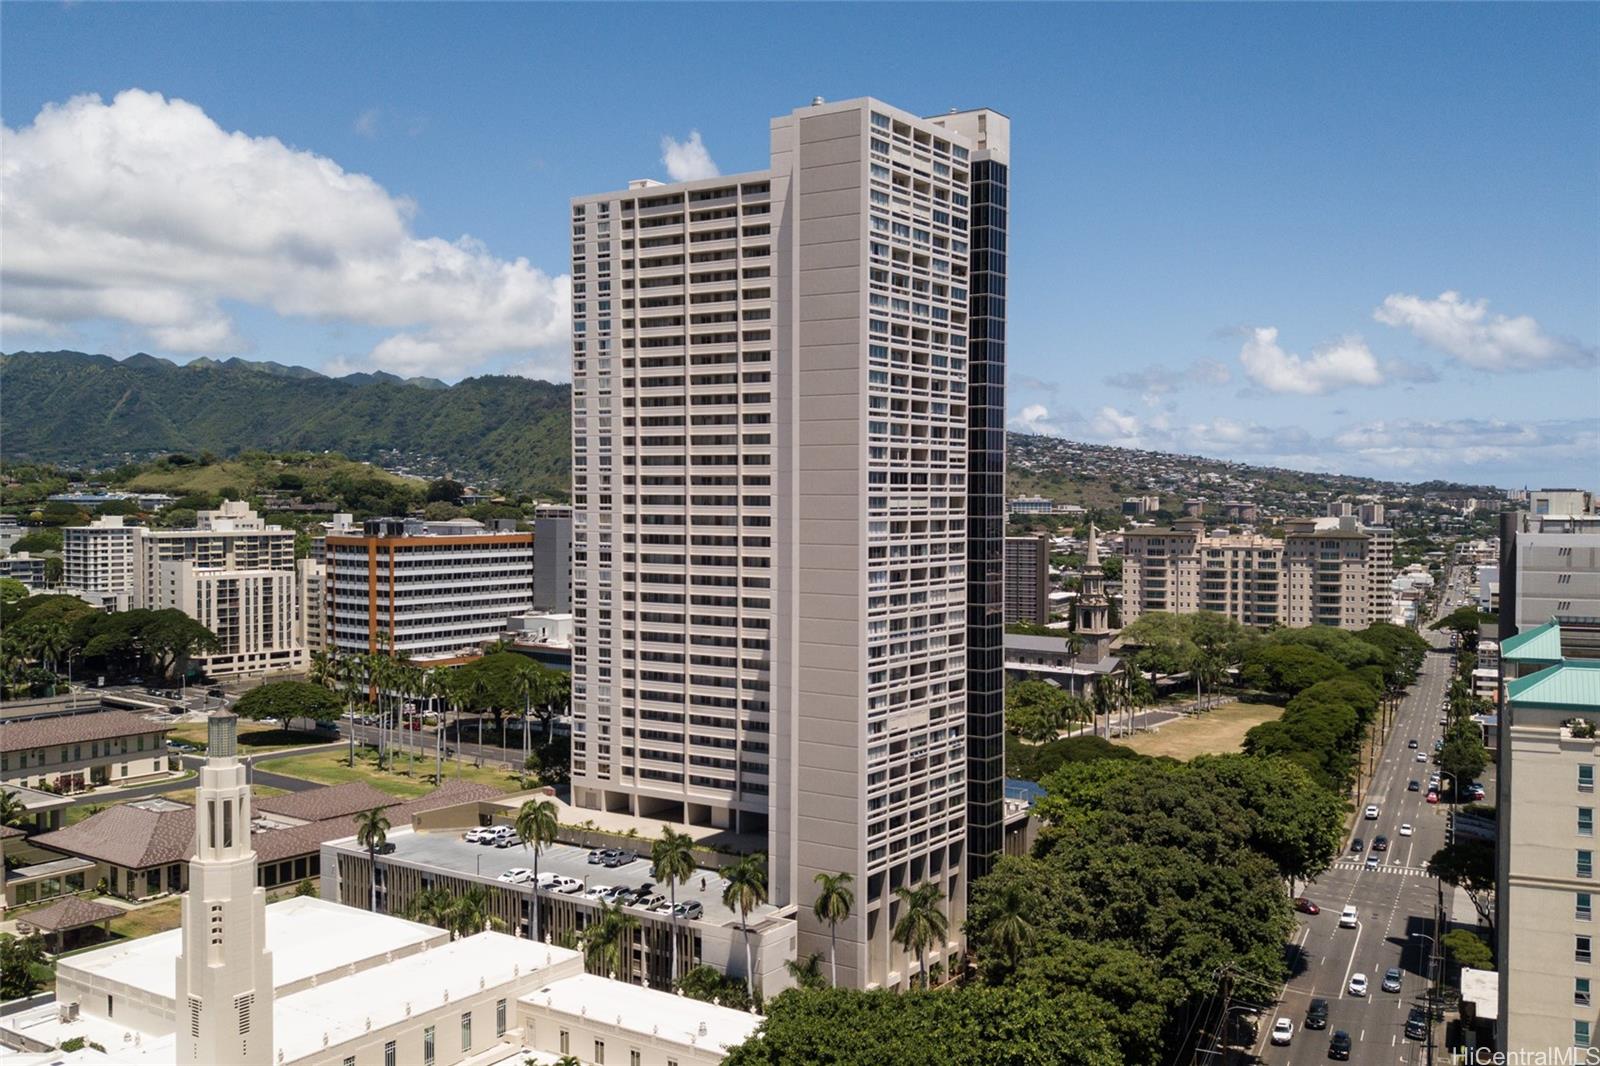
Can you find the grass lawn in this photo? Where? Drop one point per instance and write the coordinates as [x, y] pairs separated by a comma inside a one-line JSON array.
[[156, 918], [1217, 732], [330, 768], [253, 737]]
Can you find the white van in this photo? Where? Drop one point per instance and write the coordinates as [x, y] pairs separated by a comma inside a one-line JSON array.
[[1347, 918]]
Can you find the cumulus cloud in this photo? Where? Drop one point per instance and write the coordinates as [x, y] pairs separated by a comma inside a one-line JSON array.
[[144, 211], [687, 160], [1349, 362], [1465, 330], [1034, 418], [1429, 445]]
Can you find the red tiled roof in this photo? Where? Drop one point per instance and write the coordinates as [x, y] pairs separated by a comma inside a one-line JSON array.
[[75, 729]]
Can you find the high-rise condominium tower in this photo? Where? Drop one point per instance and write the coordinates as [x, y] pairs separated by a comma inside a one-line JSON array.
[[788, 496]]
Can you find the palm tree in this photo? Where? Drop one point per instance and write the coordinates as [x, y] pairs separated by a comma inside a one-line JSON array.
[[436, 685], [321, 669], [747, 890], [12, 814], [372, 833], [536, 827], [1104, 698], [431, 906], [598, 942], [1011, 931], [1074, 647], [469, 913], [922, 924], [807, 972], [671, 862], [623, 926], [835, 898], [478, 693]]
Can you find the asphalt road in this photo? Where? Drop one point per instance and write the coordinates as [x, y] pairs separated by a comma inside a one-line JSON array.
[[1396, 904]]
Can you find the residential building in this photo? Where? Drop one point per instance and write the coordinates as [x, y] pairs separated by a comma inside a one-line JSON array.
[[1194, 507], [102, 556], [1030, 505], [1182, 570], [1135, 506], [1489, 589], [434, 591], [69, 751], [1027, 596], [1546, 790], [1335, 573], [1243, 513], [311, 596], [1549, 568], [1371, 514], [24, 567], [787, 415], [11, 531], [1561, 501], [552, 558]]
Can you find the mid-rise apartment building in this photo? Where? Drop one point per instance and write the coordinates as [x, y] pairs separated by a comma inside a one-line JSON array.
[[1027, 594], [434, 591], [1549, 754], [1549, 568], [788, 593], [311, 577], [1328, 571], [552, 558], [102, 556]]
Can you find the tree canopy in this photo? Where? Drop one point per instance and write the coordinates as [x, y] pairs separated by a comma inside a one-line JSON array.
[[1470, 866], [288, 700], [1287, 668]]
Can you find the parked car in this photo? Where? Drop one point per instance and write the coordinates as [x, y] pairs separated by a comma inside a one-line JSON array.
[[1391, 979], [566, 886], [1339, 1046], [517, 875], [650, 902], [596, 891], [1358, 984], [1317, 1014], [1405, 829], [547, 879], [1305, 906], [1380, 843], [475, 836], [1282, 1032], [1348, 918], [618, 858], [495, 834], [690, 909], [1417, 1024], [1477, 791], [1433, 797], [1372, 812], [598, 856]]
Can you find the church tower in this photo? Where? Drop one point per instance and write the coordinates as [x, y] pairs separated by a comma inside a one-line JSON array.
[[1094, 610], [224, 1001]]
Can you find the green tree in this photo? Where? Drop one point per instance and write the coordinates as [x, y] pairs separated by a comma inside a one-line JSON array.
[[1463, 755], [806, 972], [1009, 930], [536, 827], [671, 864], [1286, 668], [38, 542], [922, 924], [12, 590], [1464, 621], [431, 906], [706, 983], [746, 890], [1036, 710], [1468, 949], [372, 833], [21, 961], [288, 700], [1470, 866], [834, 902]]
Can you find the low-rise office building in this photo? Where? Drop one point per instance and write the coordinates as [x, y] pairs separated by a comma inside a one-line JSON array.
[[65, 751]]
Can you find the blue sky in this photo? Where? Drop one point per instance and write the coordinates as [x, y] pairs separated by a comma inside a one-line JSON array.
[[1233, 226]]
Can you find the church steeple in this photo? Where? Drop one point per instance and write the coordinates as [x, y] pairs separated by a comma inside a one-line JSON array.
[[1094, 610], [224, 979]]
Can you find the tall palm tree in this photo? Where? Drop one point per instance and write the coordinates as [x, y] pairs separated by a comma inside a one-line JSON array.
[[671, 862], [598, 942], [321, 669], [437, 687], [1011, 932], [469, 912], [1074, 648], [807, 972], [922, 924], [479, 692], [623, 926], [747, 890], [835, 899], [536, 828], [431, 906], [372, 833], [1104, 698]]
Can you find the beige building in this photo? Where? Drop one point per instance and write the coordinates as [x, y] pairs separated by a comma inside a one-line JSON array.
[[1546, 791], [770, 463], [73, 752], [1335, 573], [102, 556]]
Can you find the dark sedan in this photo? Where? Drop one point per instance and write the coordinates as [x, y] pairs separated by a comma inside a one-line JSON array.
[[1305, 906], [1339, 1046]]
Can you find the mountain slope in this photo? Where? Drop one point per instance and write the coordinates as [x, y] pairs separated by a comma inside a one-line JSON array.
[[77, 408]]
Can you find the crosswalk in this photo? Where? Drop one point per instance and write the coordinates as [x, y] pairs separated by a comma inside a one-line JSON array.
[[1385, 868]]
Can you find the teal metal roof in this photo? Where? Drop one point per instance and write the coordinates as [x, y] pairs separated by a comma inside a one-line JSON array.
[[1541, 645], [1574, 685]]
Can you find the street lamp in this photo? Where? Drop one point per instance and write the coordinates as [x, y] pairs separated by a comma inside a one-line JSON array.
[[1428, 998]]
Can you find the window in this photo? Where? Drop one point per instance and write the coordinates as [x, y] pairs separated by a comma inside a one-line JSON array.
[[500, 1017], [349, 1060], [1580, 1034], [566, 1042], [388, 1054], [466, 1031], [1586, 779], [1585, 863], [427, 1046], [1586, 821], [599, 1053], [1582, 949], [1583, 906], [633, 1058], [1580, 992]]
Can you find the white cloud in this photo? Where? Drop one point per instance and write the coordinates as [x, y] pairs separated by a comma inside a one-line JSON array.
[[1034, 418], [1115, 427], [144, 211], [1153, 382], [1465, 329], [1349, 362], [366, 123], [687, 160]]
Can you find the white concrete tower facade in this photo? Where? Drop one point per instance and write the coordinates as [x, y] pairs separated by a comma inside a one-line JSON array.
[[224, 971]]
